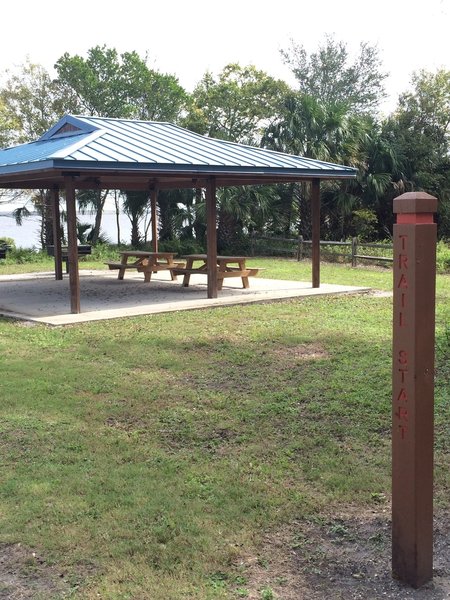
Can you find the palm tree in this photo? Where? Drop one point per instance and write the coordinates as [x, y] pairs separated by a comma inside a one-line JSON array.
[[315, 130], [135, 206], [93, 201], [380, 176]]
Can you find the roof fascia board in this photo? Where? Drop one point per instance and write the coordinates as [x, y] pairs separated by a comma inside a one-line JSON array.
[[348, 172], [26, 167]]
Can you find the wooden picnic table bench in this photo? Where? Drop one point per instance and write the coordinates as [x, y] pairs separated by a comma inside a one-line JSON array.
[[83, 250], [145, 262], [227, 266]]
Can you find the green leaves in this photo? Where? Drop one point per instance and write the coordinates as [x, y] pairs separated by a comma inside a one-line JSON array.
[[327, 74], [420, 131], [30, 103], [119, 86], [235, 105]]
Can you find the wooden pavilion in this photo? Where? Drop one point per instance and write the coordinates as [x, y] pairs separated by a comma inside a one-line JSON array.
[[80, 153]]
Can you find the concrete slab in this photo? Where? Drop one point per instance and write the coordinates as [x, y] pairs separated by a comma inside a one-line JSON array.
[[38, 297]]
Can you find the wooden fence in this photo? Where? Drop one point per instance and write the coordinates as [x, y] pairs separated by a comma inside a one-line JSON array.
[[300, 248]]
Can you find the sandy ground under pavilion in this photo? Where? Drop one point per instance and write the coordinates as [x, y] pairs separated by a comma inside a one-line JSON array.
[[38, 297]]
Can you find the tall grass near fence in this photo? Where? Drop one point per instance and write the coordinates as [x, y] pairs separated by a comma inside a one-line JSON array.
[[352, 251]]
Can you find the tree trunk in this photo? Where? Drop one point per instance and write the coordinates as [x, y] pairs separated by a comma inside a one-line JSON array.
[[44, 205], [100, 203], [199, 226], [227, 231], [135, 237], [116, 203]]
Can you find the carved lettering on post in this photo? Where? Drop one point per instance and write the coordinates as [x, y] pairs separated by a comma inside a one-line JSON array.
[[412, 388]]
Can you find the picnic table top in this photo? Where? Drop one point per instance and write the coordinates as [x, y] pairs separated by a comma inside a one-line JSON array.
[[143, 253], [219, 257]]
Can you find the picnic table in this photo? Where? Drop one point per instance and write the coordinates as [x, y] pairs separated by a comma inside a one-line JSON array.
[[227, 266], [82, 249], [145, 262]]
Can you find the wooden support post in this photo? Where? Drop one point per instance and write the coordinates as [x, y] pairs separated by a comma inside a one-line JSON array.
[[315, 238], [74, 278], [354, 250], [211, 237], [300, 248], [154, 216], [413, 388], [57, 234]]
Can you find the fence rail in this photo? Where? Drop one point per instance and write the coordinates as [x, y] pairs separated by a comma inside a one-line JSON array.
[[297, 248]]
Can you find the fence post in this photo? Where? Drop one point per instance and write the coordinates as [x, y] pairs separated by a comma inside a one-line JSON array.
[[413, 387], [354, 250], [300, 248]]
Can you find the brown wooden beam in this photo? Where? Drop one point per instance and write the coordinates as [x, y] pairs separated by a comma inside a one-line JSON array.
[[74, 278], [140, 180], [211, 236], [154, 217], [315, 238], [57, 234]]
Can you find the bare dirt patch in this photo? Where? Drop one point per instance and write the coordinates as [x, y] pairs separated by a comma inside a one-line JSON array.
[[24, 575], [347, 557], [301, 352], [381, 293]]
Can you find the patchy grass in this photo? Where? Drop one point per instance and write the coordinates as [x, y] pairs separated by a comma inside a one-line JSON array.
[[150, 457]]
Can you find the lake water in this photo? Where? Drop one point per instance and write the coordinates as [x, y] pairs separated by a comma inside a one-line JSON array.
[[27, 234]]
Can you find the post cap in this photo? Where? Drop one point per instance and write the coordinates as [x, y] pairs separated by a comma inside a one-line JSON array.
[[415, 202]]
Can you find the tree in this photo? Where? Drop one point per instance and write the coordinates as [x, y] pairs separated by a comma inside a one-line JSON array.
[[366, 202], [9, 124], [309, 127], [135, 205], [328, 74], [107, 84], [152, 96], [420, 130], [94, 201], [30, 103], [236, 105], [314, 129]]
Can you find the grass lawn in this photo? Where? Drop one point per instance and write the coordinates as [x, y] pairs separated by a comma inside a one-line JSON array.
[[151, 457]]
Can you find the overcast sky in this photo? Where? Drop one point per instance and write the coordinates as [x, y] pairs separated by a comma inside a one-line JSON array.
[[188, 37]]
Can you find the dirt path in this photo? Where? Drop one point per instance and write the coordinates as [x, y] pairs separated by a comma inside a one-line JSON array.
[[347, 557]]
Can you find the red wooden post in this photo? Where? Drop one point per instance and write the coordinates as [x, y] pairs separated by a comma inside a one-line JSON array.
[[413, 388]]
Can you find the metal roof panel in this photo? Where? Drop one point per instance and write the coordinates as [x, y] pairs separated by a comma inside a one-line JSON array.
[[152, 145]]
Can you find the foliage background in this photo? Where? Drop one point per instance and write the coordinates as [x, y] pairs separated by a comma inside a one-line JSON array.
[[330, 114]]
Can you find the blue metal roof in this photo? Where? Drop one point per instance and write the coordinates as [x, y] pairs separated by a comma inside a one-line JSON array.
[[94, 143]]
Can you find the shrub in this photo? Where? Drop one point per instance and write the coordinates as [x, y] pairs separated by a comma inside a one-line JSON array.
[[102, 252], [181, 247], [443, 257], [7, 241], [21, 256]]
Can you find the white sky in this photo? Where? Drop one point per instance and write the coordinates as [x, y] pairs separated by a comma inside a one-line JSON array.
[[187, 37]]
